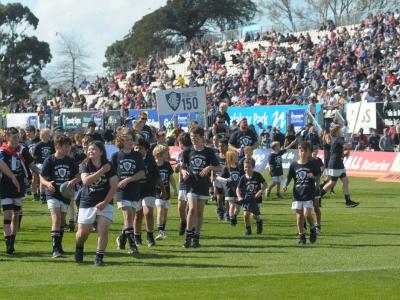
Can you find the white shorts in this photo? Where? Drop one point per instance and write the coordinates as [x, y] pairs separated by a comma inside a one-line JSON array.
[[55, 203], [302, 204], [88, 215], [127, 203], [39, 166], [199, 197], [182, 195], [231, 199], [162, 202], [149, 201], [12, 201], [277, 179]]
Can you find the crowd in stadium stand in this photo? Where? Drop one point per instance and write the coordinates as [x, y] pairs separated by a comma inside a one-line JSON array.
[[344, 64]]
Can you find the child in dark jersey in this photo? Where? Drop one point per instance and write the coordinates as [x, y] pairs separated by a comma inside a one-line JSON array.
[[275, 168], [249, 191], [303, 172], [160, 154], [230, 176]]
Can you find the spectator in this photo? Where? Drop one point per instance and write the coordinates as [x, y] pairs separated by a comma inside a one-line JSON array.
[[386, 142], [373, 140]]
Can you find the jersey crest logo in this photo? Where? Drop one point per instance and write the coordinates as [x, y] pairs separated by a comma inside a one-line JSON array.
[[62, 172], [302, 175], [46, 151], [197, 162], [173, 100], [235, 177], [250, 188], [127, 165], [245, 141]]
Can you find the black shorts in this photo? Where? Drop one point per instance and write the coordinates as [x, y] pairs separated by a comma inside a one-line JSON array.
[[219, 191]]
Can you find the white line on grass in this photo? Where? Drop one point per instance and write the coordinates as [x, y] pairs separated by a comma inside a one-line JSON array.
[[215, 276]]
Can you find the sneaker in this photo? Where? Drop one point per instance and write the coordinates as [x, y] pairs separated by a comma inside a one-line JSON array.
[[121, 242], [351, 204], [313, 235], [318, 227], [188, 243], [248, 231], [138, 240], [56, 254], [161, 235], [98, 262], [302, 239], [196, 243], [9, 248], [182, 229], [232, 221], [133, 250], [235, 220], [259, 227], [150, 240], [71, 225], [79, 256]]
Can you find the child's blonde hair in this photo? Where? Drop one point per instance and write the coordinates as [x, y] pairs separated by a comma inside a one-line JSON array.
[[43, 132], [230, 158], [275, 144], [159, 150]]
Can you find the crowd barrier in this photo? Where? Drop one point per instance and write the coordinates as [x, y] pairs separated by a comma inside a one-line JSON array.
[[358, 164]]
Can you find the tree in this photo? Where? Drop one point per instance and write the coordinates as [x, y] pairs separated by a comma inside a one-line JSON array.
[[179, 21], [373, 5], [282, 12], [117, 56], [71, 66], [22, 57]]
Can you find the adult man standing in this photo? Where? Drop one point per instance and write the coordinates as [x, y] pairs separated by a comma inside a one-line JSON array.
[[146, 132], [243, 137]]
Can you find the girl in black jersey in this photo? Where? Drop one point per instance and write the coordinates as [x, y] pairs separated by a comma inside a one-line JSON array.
[[184, 143], [99, 186], [130, 168], [303, 172], [198, 163], [230, 176], [18, 160], [250, 189], [336, 167], [160, 154], [319, 166], [219, 190], [42, 150], [58, 169], [147, 193], [31, 142]]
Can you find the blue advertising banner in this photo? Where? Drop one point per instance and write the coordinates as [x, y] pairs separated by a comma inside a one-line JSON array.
[[297, 117], [152, 118], [261, 157], [268, 115]]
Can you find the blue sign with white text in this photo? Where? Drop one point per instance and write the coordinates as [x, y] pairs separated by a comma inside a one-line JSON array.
[[274, 116], [297, 117]]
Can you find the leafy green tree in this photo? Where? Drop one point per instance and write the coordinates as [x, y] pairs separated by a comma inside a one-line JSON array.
[[22, 57], [180, 21]]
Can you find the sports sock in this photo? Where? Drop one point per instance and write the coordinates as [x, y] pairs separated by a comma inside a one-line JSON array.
[[99, 254], [323, 192], [160, 227], [347, 198]]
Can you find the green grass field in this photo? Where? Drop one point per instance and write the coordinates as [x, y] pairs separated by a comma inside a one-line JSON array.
[[356, 257]]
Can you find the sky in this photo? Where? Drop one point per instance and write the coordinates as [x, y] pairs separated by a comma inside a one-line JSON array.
[[96, 23]]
